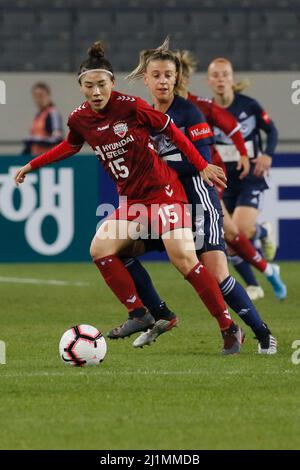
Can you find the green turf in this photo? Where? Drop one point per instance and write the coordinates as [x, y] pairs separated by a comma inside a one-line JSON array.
[[177, 394]]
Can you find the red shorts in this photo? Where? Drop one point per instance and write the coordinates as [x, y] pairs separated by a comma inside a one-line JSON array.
[[164, 210]]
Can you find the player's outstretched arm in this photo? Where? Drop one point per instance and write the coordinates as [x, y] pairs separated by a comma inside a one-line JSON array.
[[59, 152], [21, 174]]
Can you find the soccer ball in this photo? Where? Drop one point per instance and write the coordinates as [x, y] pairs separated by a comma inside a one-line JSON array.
[[82, 345]]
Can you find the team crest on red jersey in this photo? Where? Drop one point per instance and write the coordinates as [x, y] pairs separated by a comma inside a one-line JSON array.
[[120, 129]]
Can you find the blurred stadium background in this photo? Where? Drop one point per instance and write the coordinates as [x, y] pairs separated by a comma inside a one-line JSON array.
[[42, 41]]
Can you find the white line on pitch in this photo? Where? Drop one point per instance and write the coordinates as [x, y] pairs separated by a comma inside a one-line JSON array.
[[100, 371], [51, 282], [97, 372]]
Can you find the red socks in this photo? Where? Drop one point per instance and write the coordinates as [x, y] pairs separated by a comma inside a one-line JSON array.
[[246, 250], [209, 291], [119, 280]]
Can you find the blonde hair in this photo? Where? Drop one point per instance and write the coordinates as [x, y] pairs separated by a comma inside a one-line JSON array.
[[188, 62], [239, 86], [162, 52]]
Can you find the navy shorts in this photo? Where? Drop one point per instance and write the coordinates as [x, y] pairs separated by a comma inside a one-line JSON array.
[[247, 192], [207, 217], [208, 225]]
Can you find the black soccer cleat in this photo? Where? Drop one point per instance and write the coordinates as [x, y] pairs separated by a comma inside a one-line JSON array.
[[267, 343]]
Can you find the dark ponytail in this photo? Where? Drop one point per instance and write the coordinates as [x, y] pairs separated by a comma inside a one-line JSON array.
[[96, 60]]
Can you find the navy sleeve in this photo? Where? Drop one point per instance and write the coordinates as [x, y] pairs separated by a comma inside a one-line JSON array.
[[201, 136], [267, 125]]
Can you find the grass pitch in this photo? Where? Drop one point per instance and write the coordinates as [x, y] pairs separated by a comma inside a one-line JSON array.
[[177, 394]]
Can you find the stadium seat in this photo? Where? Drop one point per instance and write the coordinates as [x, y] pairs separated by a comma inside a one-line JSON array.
[[236, 25], [54, 22], [173, 22], [282, 24], [206, 24], [19, 55], [256, 25], [205, 51], [238, 54], [94, 23], [129, 22], [284, 55], [259, 54], [233, 26], [20, 21]]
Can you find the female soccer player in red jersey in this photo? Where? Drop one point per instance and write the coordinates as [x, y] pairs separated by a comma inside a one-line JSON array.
[[118, 127], [158, 68], [220, 118]]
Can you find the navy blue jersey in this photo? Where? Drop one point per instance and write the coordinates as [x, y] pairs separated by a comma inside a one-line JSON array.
[[190, 120], [253, 120], [192, 123]]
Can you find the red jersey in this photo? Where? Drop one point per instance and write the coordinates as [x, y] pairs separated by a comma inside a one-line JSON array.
[[120, 137], [221, 118]]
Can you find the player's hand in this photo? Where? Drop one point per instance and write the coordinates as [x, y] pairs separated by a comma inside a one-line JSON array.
[[243, 165], [21, 174], [214, 174], [262, 165]]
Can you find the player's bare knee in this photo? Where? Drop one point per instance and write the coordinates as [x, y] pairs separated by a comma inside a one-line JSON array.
[[230, 235], [94, 253], [247, 229], [220, 275], [184, 263], [97, 251]]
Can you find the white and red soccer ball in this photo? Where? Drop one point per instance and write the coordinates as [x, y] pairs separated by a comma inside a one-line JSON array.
[[82, 345]]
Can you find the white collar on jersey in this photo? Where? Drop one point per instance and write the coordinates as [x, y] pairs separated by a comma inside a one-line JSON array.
[[95, 70]]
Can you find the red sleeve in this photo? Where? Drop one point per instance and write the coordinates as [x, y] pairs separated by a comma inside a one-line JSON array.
[[217, 160], [239, 142], [59, 152], [225, 121], [204, 104], [185, 146], [148, 116], [74, 138]]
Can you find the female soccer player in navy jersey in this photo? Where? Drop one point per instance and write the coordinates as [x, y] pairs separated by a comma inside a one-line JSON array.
[[219, 118], [159, 68], [118, 127], [242, 198]]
